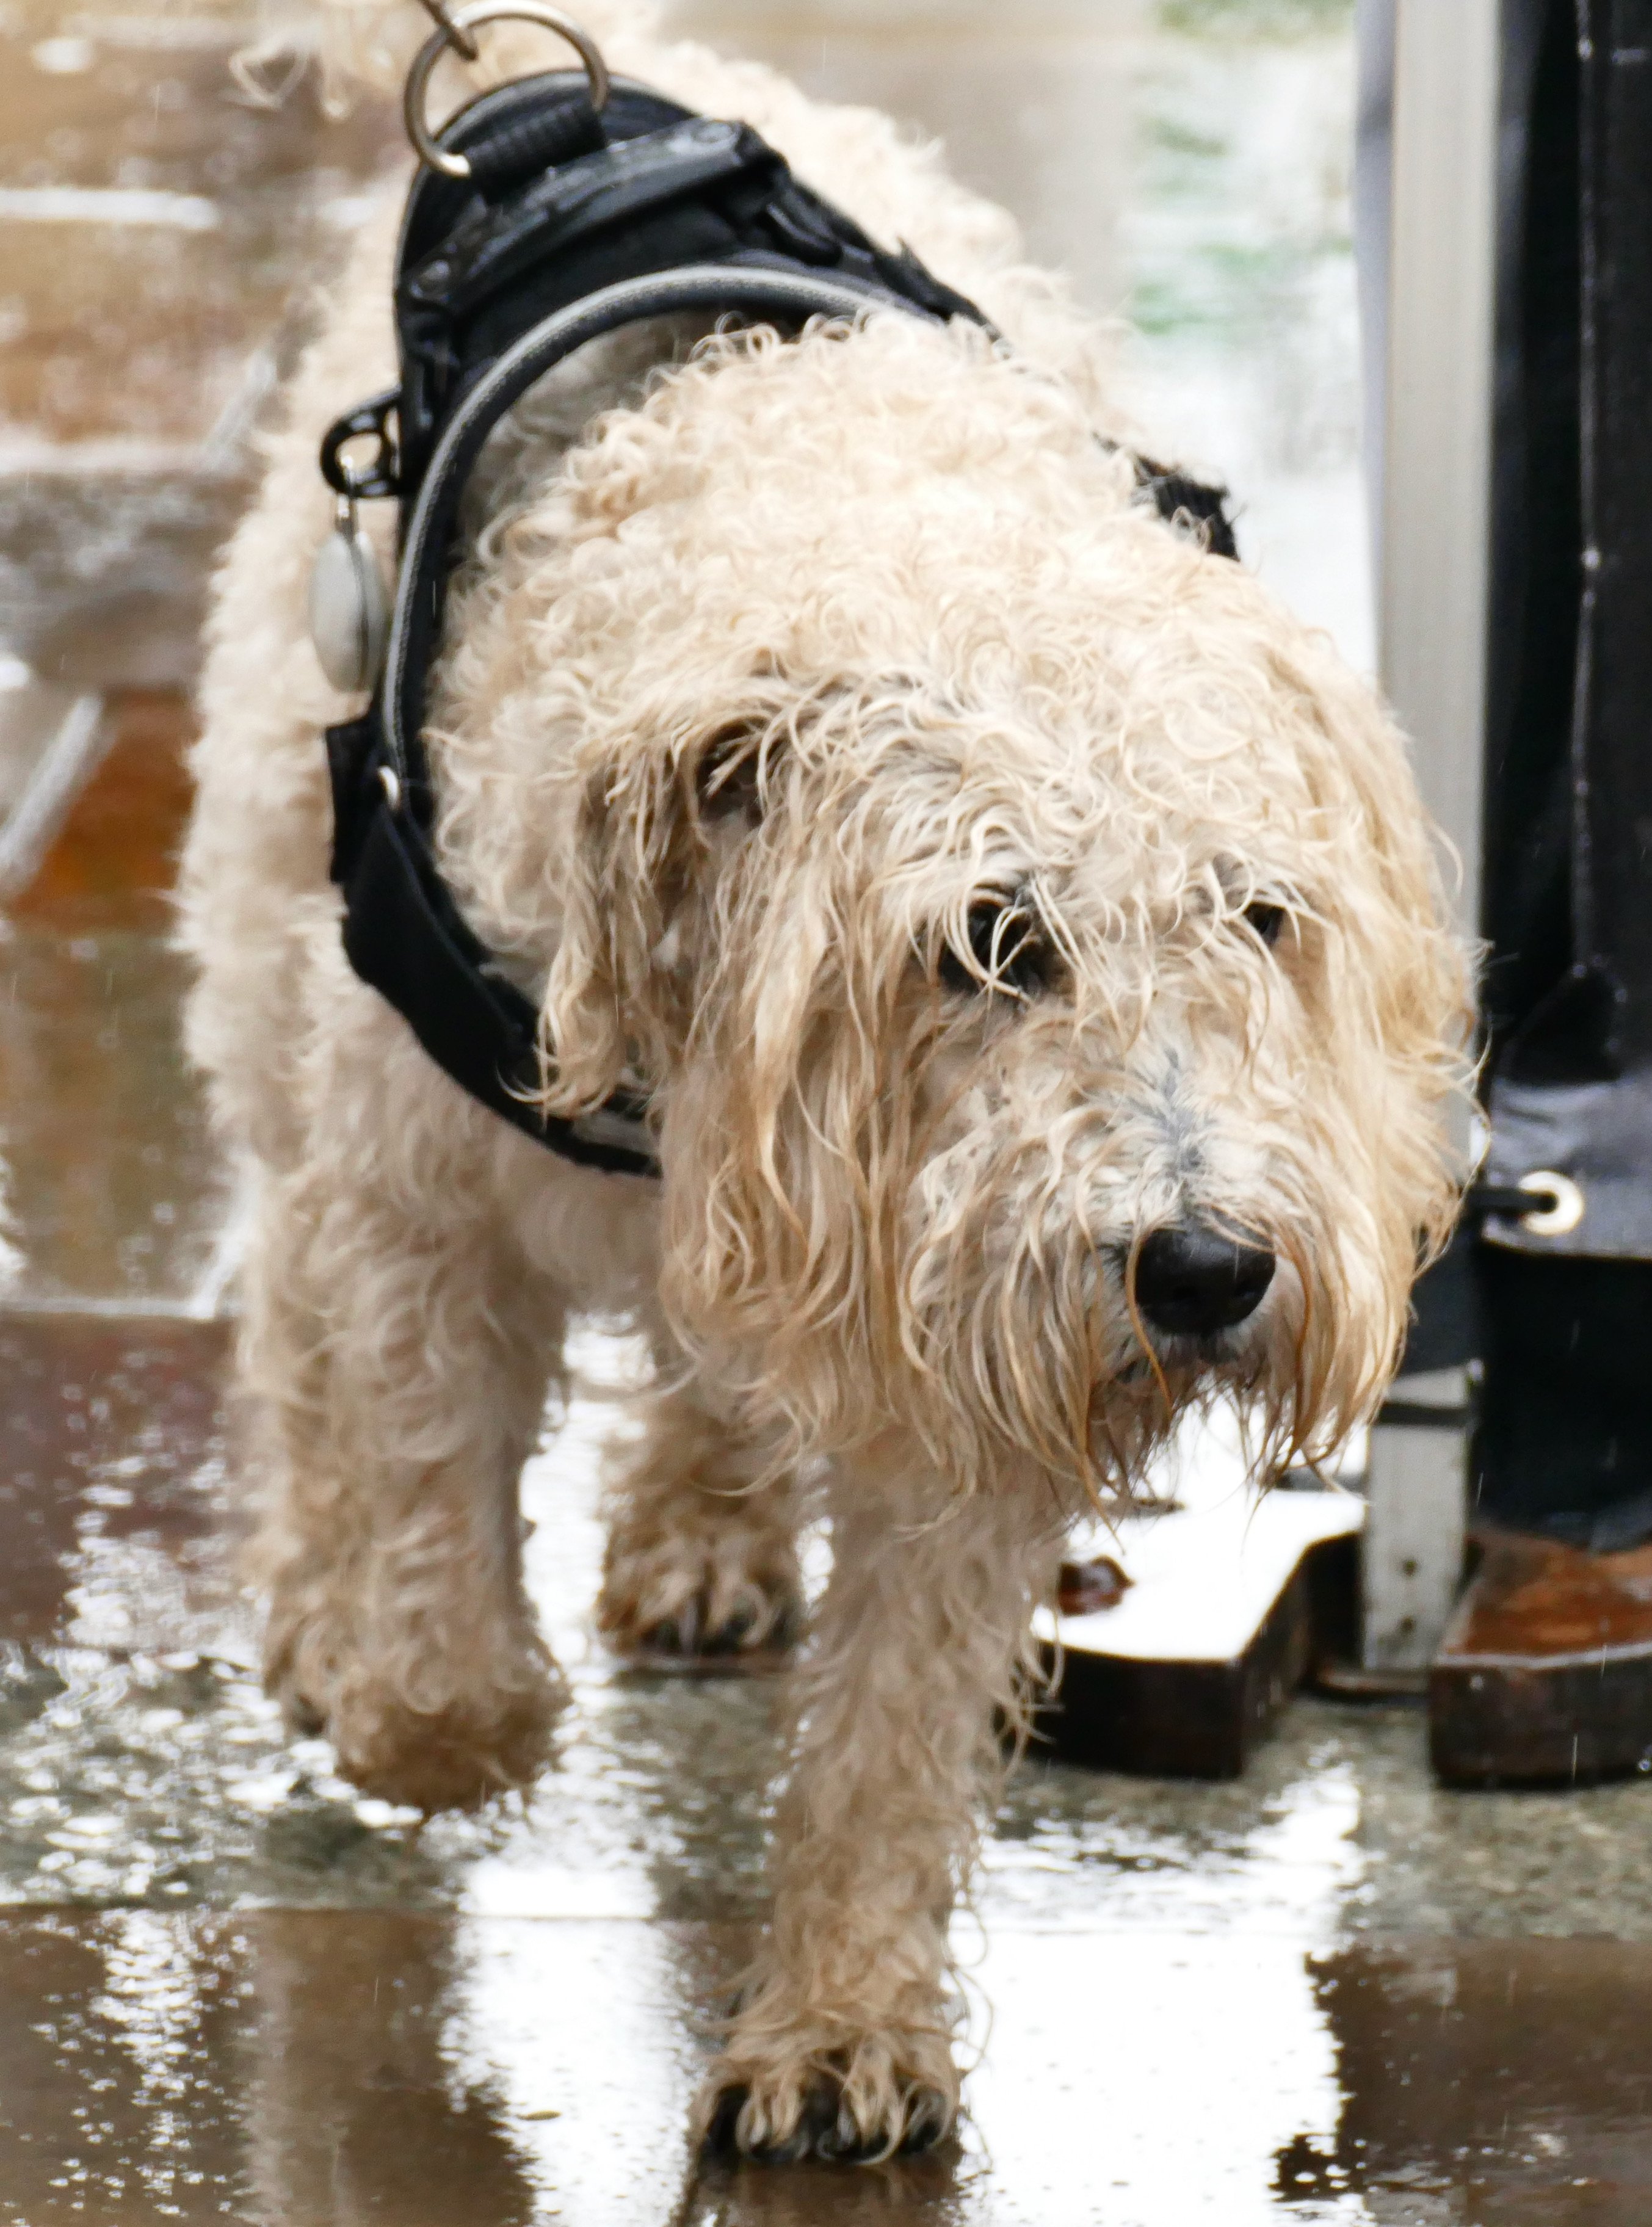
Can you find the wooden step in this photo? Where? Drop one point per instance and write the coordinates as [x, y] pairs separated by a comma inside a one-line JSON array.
[[1219, 1617]]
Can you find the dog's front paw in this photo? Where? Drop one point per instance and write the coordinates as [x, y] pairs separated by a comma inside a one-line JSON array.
[[454, 1756], [725, 1597], [884, 2096]]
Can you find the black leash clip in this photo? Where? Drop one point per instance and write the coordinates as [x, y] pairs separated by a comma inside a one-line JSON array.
[[368, 421]]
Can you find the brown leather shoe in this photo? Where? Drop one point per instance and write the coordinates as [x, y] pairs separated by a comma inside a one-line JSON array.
[[1545, 1675]]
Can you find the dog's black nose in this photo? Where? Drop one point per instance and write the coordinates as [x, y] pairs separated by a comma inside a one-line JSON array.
[[1193, 1279]]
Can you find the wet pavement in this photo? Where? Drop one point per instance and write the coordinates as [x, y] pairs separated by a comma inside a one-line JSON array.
[[162, 240], [310, 2067], [232, 1988], [117, 1198]]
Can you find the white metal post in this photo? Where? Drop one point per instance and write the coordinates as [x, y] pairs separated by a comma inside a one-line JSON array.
[[1435, 568], [1432, 599]]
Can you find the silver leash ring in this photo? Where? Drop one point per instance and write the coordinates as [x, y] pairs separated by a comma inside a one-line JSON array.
[[459, 40], [457, 26]]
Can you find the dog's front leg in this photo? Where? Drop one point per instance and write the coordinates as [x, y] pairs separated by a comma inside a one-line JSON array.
[[400, 1364], [701, 1564], [842, 2045]]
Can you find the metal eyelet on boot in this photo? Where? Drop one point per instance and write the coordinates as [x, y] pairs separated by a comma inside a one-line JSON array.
[[1558, 1219]]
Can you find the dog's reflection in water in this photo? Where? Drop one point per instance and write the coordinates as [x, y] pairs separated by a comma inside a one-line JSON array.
[[356, 2109]]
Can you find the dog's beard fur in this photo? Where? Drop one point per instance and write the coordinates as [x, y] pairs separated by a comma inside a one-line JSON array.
[[744, 752]]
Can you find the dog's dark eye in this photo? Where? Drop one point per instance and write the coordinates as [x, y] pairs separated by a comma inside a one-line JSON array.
[[1006, 952], [1266, 919]]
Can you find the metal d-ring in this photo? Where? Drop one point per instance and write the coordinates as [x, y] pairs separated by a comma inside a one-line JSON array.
[[1562, 1216], [456, 26]]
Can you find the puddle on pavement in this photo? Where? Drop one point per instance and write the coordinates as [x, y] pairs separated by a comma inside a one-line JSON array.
[[121, 1202], [300, 2067], [114, 1444]]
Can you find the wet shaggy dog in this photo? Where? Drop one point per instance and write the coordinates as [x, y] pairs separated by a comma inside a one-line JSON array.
[[1028, 937]]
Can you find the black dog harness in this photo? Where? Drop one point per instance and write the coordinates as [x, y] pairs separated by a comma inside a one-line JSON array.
[[584, 207]]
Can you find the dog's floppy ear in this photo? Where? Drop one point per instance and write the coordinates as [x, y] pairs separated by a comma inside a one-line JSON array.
[[648, 835], [624, 863], [658, 820]]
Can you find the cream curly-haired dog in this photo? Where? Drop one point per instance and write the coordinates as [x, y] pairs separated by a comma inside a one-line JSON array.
[[1028, 937]]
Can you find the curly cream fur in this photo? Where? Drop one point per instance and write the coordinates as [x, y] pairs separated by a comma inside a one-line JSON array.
[[768, 660]]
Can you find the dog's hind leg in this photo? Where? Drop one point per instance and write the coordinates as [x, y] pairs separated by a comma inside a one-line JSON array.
[[701, 1564], [920, 1665], [399, 1351]]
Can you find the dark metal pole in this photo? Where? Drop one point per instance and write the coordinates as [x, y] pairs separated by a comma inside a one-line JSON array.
[[1546, 1672], [1568, 1405]]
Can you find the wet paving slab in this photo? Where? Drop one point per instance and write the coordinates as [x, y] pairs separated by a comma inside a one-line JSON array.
[[122, 1201], [115, 1446]]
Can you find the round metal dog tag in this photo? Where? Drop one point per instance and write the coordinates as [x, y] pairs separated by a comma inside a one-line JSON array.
[[349, 614]]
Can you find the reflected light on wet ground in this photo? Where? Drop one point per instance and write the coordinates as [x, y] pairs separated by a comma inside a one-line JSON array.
[[316, 2066], [117, 1198]]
